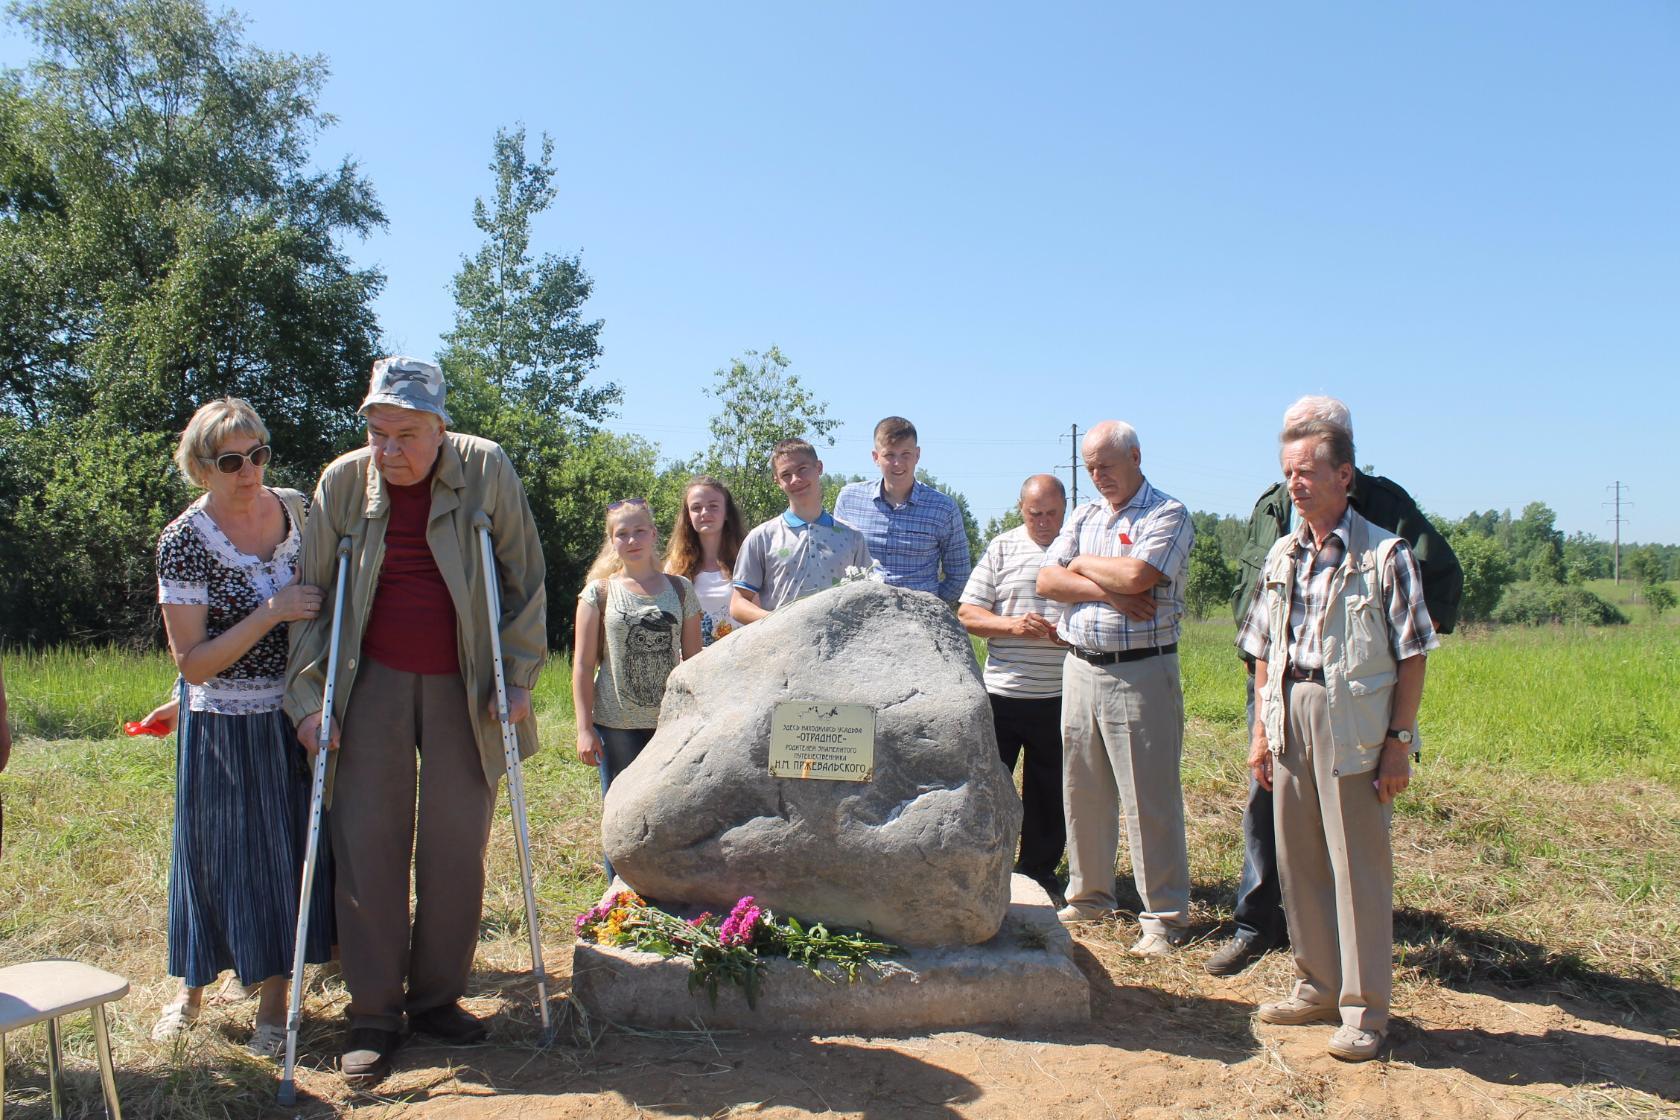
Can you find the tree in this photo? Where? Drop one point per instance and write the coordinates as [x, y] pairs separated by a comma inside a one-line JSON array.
[[519, 326], [1536, 544], [997, 526], [1211, 577], [759, 404], [1659, 598], [165, 237], [518, 362], [1487, 573]]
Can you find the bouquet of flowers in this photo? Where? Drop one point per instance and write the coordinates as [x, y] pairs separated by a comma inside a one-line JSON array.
[[732, 948]]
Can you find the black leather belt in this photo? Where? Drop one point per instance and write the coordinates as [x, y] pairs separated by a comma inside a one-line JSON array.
[[1294, 674], [1119, 655]]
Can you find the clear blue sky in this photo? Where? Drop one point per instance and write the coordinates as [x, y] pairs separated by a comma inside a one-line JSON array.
[[1461, 218]]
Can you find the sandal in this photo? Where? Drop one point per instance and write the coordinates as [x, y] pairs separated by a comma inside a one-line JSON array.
[[267, 1041], [176, 1020]]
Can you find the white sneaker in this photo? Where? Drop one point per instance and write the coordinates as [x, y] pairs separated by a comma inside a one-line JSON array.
[[1153, 945], [1077, 913]]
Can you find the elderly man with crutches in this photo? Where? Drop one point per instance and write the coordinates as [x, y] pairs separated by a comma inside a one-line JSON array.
[[421, 665]]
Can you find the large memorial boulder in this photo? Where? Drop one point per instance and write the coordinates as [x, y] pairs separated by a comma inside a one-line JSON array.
[[920, 853]]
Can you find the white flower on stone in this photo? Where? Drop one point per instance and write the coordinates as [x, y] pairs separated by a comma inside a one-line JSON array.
[[853, 574]]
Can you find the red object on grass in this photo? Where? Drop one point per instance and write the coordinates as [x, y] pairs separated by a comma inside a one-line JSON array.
[[155, 727]]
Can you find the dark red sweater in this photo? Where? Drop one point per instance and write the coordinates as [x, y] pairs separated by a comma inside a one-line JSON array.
[[411, 627]]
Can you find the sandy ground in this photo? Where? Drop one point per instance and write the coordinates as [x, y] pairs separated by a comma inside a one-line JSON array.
[[1166, 1040]]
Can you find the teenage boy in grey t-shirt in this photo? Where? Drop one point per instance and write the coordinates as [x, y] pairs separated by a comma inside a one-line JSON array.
[[799, 552]]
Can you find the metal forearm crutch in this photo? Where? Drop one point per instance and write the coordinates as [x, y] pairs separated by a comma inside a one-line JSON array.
[[317, 796], [510, 753]]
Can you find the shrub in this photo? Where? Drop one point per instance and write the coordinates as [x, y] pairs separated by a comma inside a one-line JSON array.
[[1537, 604]]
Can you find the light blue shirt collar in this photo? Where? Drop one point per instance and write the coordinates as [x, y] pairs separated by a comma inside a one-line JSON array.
[[794, 521]]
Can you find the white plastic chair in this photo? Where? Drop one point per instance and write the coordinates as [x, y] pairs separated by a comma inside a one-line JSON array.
[[47, 991]]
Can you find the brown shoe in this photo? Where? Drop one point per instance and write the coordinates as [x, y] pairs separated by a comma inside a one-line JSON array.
[[367, 1055], [1295, 1012], [448, 1023]]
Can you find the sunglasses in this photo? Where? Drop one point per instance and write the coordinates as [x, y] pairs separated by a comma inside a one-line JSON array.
[[231, 461], [622, 502]]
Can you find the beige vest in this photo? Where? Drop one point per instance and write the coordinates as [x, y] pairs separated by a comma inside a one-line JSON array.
[[1359, 665]]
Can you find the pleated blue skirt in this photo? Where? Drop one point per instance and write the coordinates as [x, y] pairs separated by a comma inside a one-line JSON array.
[[241, 825]]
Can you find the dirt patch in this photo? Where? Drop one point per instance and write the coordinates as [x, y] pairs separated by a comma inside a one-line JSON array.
[[1166, 1041]]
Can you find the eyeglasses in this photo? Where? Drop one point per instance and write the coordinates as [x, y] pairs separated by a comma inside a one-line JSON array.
[[230, 462], [626, 502]]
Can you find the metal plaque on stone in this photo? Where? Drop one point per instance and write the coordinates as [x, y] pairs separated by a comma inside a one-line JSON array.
[[830, 742]]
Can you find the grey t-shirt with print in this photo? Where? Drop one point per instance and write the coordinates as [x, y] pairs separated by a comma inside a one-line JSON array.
[[643, 644]]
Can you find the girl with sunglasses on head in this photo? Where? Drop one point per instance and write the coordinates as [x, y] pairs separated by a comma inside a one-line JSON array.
[[634, 625], [227, 582], [704, 543]]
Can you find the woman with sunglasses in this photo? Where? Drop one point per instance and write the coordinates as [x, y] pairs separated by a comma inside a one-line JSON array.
[[634, 625], [227, 583], [704, 543]]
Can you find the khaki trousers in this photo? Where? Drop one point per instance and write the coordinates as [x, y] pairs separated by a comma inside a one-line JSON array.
[[1122, 736], [1337, 868], [374, 838]]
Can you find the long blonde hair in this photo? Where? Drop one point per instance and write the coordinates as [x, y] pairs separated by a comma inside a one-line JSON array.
[[607, 563], [686, 553]]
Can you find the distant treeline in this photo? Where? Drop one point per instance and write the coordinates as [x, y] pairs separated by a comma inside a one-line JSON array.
[[1520, 569]]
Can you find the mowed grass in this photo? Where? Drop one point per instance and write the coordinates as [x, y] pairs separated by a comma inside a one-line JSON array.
[[1539, 846]]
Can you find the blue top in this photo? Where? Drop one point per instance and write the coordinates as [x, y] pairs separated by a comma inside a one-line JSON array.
[[919, 544]]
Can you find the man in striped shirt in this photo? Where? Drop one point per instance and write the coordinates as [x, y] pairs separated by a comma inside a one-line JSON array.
[[914, 532], [1119, 566], [1024, 670]]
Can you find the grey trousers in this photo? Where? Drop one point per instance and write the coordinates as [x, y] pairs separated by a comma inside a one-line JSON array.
[[391, 966], [1337, 868], [1122, 737]]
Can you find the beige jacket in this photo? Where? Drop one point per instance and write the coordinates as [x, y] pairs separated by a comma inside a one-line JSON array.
[[351, 500], [1359, 667]]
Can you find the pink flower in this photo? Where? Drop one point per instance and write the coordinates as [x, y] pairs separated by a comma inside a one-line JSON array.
[[704, 917], [742, 923]]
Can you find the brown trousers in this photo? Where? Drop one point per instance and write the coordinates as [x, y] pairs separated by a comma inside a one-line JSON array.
[[1337, 868], [374, 839]]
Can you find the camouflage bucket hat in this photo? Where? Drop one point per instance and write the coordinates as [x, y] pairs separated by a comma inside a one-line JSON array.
[[404, 382]]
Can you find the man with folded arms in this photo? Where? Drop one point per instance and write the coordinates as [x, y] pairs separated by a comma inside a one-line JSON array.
[[1119, 566]]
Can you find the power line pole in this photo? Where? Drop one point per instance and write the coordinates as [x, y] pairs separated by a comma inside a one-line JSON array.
[[1073, 464], [1616, 488]]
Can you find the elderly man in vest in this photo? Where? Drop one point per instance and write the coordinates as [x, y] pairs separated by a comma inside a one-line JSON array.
[[1258, 912], [415, 697], [1339, 633]]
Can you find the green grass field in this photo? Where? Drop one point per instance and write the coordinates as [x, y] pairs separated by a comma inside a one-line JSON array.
[[1539, 843]]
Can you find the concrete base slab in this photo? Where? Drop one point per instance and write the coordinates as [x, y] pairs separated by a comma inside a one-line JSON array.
[[1024, 976]]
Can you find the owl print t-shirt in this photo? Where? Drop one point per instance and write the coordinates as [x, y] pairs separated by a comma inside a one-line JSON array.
[[643, 644]]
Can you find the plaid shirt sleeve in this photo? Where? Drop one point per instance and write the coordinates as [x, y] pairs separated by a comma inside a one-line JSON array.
[[1410, 631], [1164, 541], [1254, 636], [954, 560]]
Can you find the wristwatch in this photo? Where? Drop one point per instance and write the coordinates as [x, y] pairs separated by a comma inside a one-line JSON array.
[[1402, 734]]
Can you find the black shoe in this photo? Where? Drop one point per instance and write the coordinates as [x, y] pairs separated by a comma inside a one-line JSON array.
[[1236, 954], [367, 1054], [1053, 887], [448, 1023]]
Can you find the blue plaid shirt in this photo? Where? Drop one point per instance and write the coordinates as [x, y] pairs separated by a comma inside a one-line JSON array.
[[1151, 527], [921, 544]]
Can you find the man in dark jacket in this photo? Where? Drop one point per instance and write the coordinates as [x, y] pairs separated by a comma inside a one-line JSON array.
[[1259, 906]]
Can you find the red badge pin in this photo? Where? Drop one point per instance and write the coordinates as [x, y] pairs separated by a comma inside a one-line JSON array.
[[1124, 539]]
